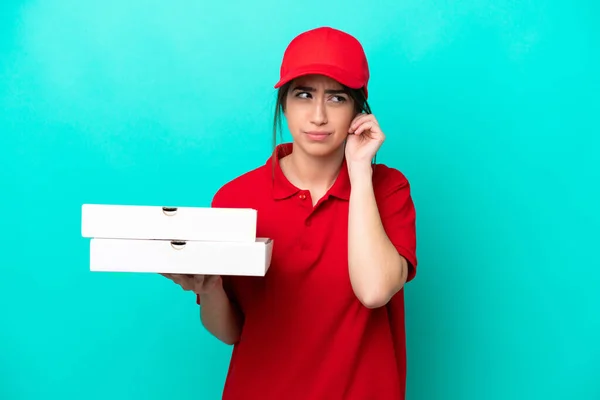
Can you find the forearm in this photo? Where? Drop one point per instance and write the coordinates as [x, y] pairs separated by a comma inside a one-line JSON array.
[[377, 271], [220, 316]]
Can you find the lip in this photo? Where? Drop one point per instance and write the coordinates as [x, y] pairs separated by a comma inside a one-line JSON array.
[[317, 135]]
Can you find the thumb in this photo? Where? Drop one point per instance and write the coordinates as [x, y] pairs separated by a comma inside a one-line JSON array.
[[199, 280], [212, 281]]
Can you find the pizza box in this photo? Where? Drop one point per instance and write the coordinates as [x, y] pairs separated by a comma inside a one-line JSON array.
[[181, 257], [168, 223]]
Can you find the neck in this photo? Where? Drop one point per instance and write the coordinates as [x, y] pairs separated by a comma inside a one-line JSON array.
[[316, 174]]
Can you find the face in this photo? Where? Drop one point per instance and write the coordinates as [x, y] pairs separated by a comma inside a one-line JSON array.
[[318, 114]]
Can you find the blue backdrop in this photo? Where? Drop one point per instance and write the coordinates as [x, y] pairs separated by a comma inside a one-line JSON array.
[[490, 108]]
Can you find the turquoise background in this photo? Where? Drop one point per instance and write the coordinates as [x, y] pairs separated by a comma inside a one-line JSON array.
[[491, 108]]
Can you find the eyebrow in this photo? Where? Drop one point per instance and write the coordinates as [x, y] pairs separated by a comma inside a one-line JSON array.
[[311, 89]]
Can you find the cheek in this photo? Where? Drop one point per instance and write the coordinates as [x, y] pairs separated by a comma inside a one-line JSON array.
[[292, 121], [345, 118], [295, 118]]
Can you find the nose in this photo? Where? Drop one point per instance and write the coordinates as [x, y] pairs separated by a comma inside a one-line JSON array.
[[318, 112]]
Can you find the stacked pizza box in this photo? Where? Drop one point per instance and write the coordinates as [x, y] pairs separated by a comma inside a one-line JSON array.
[[181, 240]]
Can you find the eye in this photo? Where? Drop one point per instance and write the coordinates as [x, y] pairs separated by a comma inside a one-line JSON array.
[[303, 95], [338, 99]]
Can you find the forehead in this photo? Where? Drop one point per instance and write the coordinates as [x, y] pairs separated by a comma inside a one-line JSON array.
[[317, 81]]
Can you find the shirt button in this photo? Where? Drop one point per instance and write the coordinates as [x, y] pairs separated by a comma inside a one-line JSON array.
[[302, 196]]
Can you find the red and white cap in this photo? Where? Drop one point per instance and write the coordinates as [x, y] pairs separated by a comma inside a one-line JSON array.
[[326, 51]]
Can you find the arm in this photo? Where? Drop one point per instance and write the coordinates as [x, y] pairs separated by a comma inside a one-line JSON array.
[[377, 270], [220, 316]]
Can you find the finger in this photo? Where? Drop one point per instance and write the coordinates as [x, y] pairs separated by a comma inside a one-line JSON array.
[[367, 126], [177, 278], [186, 280], [199, 280], [188, 283], [211, 281], [356, 121], [360, 119]]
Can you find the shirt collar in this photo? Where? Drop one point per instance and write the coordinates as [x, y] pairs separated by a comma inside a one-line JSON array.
[[283, 188]]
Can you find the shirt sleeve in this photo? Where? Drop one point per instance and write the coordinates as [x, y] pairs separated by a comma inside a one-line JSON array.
[[398, 216]]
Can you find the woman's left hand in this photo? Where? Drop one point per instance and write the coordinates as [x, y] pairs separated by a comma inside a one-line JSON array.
[[364, 139]]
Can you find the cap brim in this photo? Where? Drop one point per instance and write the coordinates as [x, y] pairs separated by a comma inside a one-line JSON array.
[[322, 69]]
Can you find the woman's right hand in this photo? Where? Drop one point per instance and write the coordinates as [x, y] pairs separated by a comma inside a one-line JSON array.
[[199, 284]]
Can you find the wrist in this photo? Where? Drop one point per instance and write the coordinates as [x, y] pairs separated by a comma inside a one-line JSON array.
[[360, 172], [211, 293]]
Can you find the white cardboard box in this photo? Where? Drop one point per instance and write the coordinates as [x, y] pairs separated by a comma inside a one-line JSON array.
[[168, 223], [183, 257]]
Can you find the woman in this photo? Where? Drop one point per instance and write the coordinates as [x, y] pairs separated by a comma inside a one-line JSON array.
[[327, 321]]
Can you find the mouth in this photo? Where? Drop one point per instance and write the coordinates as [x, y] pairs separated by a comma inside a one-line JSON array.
[[317, 135]]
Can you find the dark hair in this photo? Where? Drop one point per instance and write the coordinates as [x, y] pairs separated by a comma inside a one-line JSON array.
[[358, 95]]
